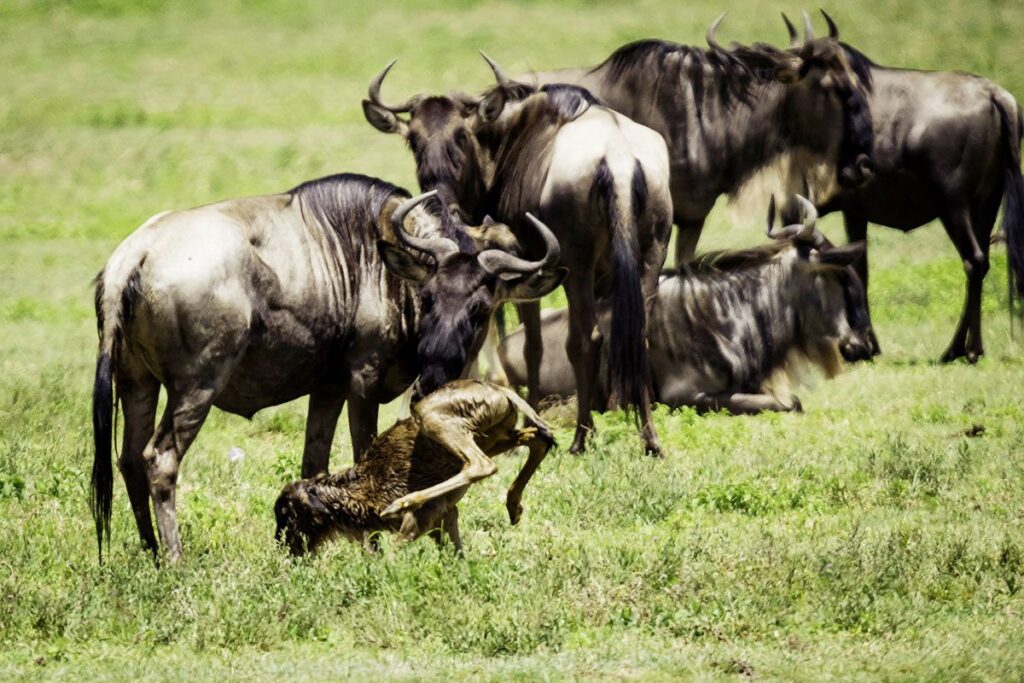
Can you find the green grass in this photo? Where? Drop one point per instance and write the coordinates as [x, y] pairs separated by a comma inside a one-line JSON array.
[[869, 538]]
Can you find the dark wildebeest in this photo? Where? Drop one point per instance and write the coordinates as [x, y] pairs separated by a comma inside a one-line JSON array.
[[733, 329], [249, 303], [597, 177], [728, 113], [947, 146], [415, 473]]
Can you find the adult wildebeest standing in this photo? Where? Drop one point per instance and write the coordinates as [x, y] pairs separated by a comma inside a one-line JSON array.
[[727, 113], [415, 473], [947, 146], [732, 329], [599, 178], [249, 303]]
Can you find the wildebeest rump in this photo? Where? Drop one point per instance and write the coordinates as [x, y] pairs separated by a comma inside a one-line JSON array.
[[597, 177], [249, 303], [947, 146], [733, 329], [415, 473], [727, 113]]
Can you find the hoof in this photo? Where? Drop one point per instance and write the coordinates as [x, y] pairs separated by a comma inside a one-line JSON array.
[[515, 513]]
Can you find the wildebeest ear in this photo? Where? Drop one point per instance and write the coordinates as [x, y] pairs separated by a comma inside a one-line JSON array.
[[843, 256], [403, 264], [535, 285], [383, 120], [492, 105]]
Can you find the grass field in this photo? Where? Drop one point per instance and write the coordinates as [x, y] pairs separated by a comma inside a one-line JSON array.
[[869, 538]]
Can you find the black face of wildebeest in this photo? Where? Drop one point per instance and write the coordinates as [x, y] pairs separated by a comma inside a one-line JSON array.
[[459, 291], [825, 64]]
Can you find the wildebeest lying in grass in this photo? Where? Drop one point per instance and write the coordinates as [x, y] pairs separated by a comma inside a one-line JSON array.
[[414, 474], [733, 329]]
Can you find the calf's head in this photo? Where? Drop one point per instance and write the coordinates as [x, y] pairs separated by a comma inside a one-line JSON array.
[[459, 290]]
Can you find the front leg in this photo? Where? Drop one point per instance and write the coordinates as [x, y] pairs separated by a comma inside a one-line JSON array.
[[321, 421], [362, 424], [533, 348]]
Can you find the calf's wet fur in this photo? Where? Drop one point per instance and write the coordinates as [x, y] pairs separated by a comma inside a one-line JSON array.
[[414, 474]]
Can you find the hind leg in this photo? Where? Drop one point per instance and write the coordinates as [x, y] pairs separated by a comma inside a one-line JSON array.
[[362, 424], [581, 349], [321, 423], [654, 252], [533, 348], [185, 413], [975, 260], [138, 393], [539, 447]]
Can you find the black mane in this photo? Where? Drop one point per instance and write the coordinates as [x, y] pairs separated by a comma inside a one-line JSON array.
[[345, 199], [861, 64]]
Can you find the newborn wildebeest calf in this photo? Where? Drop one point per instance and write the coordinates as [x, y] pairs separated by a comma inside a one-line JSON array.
[[413, 475], [731, 330]]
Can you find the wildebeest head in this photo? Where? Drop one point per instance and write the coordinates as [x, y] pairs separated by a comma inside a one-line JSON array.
[[459, 290], [836, 308], [438, 131], [826, 88]]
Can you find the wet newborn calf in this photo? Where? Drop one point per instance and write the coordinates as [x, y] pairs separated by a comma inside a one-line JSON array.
[[412, 477]]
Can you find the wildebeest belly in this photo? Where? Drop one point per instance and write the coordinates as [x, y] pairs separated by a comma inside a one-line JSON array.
[[901, 201]]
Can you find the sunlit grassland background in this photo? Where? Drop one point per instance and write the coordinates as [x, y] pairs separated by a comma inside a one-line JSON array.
[[868, 537]]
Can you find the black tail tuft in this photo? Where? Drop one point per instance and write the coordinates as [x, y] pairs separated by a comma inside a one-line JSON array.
[[627, 358], [1013, 206], [628, 371], [102, 467]]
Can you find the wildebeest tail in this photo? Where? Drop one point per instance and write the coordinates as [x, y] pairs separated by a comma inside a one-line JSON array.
[[113, 307], [627, 358], [102, 484], [1013, 197]]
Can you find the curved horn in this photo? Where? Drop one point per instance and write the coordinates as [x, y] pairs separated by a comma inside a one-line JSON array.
[[794, 39], [375, 92], [808, 29], [804, 231], [497, 261], [438, 247], [712, 30], [499, 73], [810, 216], [833, 32]]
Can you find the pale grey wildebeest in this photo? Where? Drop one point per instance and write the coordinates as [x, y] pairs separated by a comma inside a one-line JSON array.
[[343, 288], [415, 473], [597, 177], [946, 145], [728, 113], [734, 330]]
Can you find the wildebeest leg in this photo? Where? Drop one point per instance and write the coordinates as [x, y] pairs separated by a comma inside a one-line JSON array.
[[961, 232], [138, 392], [687, 236], [856, 230], [449, 530], [455, 435], [983, 218], [539, 448], [533, 348], [321, 421], [654, 252], [736, 403], [580, 347], [184, 415], [362, 424]]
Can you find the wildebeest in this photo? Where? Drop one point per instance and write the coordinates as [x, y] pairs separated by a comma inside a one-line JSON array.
[[597, 177], [733, 329], [947, 146], [415, 473], [341, 288], [728, 113]]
